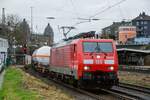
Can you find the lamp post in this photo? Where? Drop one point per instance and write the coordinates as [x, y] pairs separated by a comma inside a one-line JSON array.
[[50, 17], [88, 19], [14, 49]]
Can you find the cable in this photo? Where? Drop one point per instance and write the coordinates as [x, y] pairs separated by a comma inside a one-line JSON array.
[[75, 10], [120, 11], [108, 8]]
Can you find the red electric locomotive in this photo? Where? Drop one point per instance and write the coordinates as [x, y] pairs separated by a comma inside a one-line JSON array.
[[88, 63]]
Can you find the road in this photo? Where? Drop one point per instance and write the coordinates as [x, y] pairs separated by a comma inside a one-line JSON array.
[[1, 78]]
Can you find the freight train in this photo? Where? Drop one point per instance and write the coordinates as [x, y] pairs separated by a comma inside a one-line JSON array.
[[86, 63]]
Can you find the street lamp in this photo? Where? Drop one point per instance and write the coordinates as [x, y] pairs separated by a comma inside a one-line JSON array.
[[88, 19], [14, 49], [84, 20], [50, 17]]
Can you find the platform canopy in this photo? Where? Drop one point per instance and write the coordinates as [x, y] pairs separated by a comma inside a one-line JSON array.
[[134, 50]]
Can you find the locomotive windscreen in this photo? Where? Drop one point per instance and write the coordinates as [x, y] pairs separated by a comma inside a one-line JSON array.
[[97, 47]]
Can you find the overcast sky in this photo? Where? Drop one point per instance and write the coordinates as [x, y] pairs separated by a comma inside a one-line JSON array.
[[66, 12]]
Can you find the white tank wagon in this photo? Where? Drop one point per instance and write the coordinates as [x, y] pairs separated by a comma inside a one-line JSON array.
[[41, 56]]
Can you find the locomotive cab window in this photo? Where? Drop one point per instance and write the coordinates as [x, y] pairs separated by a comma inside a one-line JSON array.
[[97, 47]]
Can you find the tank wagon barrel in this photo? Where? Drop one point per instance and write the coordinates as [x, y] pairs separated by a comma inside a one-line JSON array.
[[41, 58]]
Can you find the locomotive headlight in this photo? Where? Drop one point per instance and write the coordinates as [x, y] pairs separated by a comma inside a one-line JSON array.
[[86, 67], [111, 68]]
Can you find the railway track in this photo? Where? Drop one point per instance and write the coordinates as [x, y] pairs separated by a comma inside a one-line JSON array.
[[136, 92], [113, 94], [135, 87]]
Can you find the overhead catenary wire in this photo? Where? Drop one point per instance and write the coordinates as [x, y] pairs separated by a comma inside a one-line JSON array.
[[102, 11], [74, 8], [121, 13], [109, 7], [89, 18]]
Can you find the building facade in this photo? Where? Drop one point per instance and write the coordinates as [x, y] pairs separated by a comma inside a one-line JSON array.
[[126, 33], [48, 32], [112, 30], [142, 22], [47, 38], [39, 39], [3, 52]]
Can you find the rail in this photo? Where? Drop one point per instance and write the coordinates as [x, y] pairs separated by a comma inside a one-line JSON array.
[[135, 87]]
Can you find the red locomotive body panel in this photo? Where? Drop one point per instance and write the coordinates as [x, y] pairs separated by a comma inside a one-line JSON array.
[[62, 56], [98, 59]]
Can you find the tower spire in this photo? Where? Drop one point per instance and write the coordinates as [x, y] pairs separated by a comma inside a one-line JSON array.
[[3, 16]]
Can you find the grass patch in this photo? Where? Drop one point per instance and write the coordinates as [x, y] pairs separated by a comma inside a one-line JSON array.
[[19, 85], [135, 78], [13, 88]]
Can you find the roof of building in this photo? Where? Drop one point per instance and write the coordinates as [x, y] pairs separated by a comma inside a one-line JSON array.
[[117, 24], [142, 16], [48, 31]]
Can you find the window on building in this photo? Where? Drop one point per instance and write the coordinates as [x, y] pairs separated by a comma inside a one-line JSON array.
[[141, 17], [137, 23], [142, 22], [142, 33], [145, 27], [0, 44], [141, 28], [145, 22]]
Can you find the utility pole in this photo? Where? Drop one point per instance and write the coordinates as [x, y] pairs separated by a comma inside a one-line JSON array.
[[3, 16], [31, 20], [30, 33], [14, 50]]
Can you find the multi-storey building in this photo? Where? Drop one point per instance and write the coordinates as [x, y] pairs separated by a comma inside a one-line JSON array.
[[3, 52], [125, 33], [47, 38], [112, 30], [142, 22]]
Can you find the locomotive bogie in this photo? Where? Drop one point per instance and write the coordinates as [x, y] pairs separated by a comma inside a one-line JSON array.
[[99, 79]]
